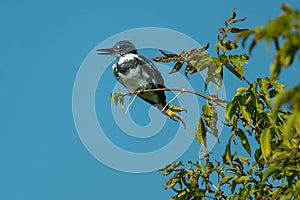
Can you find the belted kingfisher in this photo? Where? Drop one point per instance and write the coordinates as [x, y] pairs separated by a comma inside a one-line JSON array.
[[138, 73]]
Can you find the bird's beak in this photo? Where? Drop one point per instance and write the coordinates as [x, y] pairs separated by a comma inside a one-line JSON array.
[[106, 51]]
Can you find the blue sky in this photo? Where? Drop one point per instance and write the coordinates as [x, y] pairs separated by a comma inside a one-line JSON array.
[[43, 44]]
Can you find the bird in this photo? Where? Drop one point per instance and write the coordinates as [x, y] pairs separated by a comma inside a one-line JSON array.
[[138, 74]]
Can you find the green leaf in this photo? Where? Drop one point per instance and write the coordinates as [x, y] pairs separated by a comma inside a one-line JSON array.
[[233, 15], [172, 182], [233, 186], [231, 111], [297, 186], [117, 97], [229, 45], [244, 56], [265, 143], [264, 86], [187, 69], [259, 33], [278, 156], [114, 97], [121, 99], [238, 61], [208, 110], [288, 134], [242, 108], [275, 69], [257, 154], [284, 97], [244, 159], [165, 167], [277, 86], [111, 96], [244, 140], [240, 91], [177, 67], [220, 46], [243, 192], [238, 20], [253, 95], [201, 133], [208, 165], [269, 172], [235, 30], [222, 30], [166, 58], [243, 179], [244, 35], [172, 55], [286, 7], [226, 179], [210, 117], [228, 153], [163, 59]]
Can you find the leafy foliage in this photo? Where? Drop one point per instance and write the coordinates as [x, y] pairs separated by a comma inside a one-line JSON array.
[[118, 97], [196, 61], [283, 29], [255, 112]]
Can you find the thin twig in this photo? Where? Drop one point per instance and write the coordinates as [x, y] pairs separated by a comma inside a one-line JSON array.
[[131, 102], [248, 82]]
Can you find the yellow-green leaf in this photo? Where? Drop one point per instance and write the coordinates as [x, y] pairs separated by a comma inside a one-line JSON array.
[[270, 171], [265, 143], [121, 99], [297, 185], [243, 179], [240, 91], [278, 156], [244, 140], [201, 133], [242, 109], [207, 110], [233, 15], [177, 67], [228, 153], [231, 111], [226, 179]]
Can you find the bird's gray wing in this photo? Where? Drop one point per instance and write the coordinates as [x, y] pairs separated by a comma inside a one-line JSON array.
[[152, 71]]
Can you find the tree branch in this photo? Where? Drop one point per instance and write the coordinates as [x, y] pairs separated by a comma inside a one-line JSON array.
[[182, 90]]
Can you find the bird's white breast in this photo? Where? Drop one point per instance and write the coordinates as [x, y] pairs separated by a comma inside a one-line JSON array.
[[125, 58]]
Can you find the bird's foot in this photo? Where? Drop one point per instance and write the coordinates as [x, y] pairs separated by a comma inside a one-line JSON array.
[[176, 108], [171, 112]]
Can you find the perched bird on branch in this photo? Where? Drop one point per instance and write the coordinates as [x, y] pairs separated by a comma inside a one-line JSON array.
[[138, 73]]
